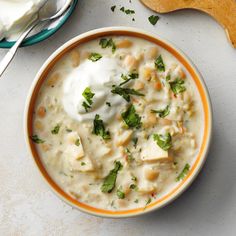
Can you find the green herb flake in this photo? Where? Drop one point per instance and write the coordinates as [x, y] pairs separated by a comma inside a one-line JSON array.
[[127, 11], [134, 187], [127, 78], [131, 118], [129, 154], [120, 194], [108, 43], [68, 130], [88, 95], [163, 141], [83, 163], [148, 201], [134, 178], [184, 172], [56, 129], [177, 86], [136, 201], [36, 139], [108, 104], [153, 19], [125, 92], [77, 142], [162, 113], [113, 8], [99, 128], [168, 77], [135, 141], [159, 64], [95, 56], [110, 180]]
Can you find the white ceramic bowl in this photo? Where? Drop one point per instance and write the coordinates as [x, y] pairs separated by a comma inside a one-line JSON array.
[[197, 78]]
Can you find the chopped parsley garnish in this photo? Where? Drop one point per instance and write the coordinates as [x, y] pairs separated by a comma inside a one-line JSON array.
[[148, 201], [88, 95], [113, 8], [135, 141], [134, 178], [136, 201], [125, 92], [163, 141], [77, 142], [153, 19], [177, 86], [108, 104], [68, 130], [83, 163], [99, 128], [159, 64], [127, 78], [134, 187], [127, 11], [107, 43], [184, 172], [36, 139], [110, 181], [56, 129], [131, 118], [168, 77], [162, 113], [120, 194], [129, 154], [95, 56]]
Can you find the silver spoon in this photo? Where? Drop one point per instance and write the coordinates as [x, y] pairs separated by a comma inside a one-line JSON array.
[[40, 19]]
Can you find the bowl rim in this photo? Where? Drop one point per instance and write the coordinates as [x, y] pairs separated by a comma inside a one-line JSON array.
[[43, 34], [202, 90]]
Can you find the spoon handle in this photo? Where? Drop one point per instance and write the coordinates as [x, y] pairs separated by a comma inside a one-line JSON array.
[[12, 52]]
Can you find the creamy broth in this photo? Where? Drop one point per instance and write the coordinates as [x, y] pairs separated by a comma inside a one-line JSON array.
[[118, 123]]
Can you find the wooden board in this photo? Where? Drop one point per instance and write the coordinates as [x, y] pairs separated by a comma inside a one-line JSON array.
[[224, 11]]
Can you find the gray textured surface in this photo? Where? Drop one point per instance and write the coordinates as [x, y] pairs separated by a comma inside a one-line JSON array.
[[28, 207]]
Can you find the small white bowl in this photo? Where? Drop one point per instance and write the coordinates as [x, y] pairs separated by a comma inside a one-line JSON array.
[[195, 75]]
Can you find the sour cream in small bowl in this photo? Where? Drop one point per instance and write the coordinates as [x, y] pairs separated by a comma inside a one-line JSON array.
[[16, 15], [118, 122]]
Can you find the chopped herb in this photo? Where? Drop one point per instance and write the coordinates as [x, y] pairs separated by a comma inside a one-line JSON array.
[[131, 118], [77, 142], [162, 113], [177, 86], [134, 187], [153, 19], [159, 64], [88, 95], [135, 141], [168, 77], [99, 128], [183, 173], [95, 56], [113, 8], [110, 181], [134, 178], [120, 194], [104, 43], [127, 78], [125, 92], [36, 139], [136, 201], [129, 154], [148, 201], [108, 104], [83, 163], [127, 11], [56, 129], [68, 130], [163, 141]]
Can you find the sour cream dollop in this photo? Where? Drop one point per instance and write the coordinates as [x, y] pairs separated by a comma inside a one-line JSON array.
[[15, 15], [99, 76]]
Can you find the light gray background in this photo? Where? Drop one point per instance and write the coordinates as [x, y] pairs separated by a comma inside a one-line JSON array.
[[28, 207]]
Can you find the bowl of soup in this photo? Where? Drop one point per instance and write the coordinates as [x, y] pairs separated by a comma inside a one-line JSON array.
[[119, 122]]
